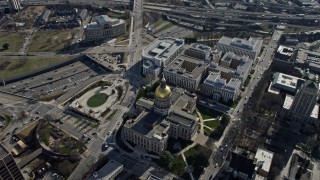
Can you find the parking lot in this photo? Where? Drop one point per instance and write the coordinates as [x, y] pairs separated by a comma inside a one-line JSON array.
[[55, 81]]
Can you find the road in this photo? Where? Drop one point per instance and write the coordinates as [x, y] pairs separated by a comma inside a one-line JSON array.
[[209, 4], [232, 17], [135, 41], [105, 130], [231, 132]]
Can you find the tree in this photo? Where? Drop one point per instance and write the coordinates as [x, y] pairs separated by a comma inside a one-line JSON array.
[[166, 159], [5, 46]]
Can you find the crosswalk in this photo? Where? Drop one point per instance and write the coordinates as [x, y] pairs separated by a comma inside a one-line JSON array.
[[80, 125]]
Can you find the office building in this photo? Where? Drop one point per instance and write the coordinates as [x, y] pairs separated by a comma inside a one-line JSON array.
[[249, 166], [263, 160], [308, 59], [291, 41], [199, 51], [11, 5], [283, 60], [185, 72], [285, 82], [168, 115], [9, 170], [232, 66], [250, 47], [104, 27], [302, 109], [45, 17], [82, 15], [108, 172], [220, 88], [159, 54]]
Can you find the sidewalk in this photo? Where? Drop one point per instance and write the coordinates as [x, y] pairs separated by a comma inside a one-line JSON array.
[[201, 121]]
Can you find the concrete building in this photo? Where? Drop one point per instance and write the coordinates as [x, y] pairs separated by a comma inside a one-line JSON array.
[[11, 5], [82, 15], [303, 108], [232, 66], [45, 16], [199, 51], [285, 82], [309, 59], [168, 115], [263, 161], [159, 54], [9, 170], [249, 166], [250, 47], [108, 172], [185, 72], [104, 27], [218, 87], [291, 41], [283, 60], [216, 55]]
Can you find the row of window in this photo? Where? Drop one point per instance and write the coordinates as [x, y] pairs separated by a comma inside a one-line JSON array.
[[181, 81], [236, 50], [208, 89], [142, 142]]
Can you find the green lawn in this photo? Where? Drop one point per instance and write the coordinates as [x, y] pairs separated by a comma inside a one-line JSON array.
[[14, 39], [207, 113], [15, 67], [167, 26], [158, 22], [97, 100], [212, 124], [47, 41]]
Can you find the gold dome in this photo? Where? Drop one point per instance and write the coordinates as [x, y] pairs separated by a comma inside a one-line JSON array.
[[163, 91]]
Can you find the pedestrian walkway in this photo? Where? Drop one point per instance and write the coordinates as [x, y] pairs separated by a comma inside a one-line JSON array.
[[208, 127], [201, 121], [212, 119]]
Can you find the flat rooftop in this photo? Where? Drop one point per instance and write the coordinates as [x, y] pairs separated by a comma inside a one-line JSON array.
[[315, 112], [181, 117], [288, 51], [101, 20], [214, 79], [201, 48], [264, 157], [244, 64], [304, 55], [252, 44], [162, 48], [107, 171], [285, 80], [288, 101], [187, 66], [148, 124]]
